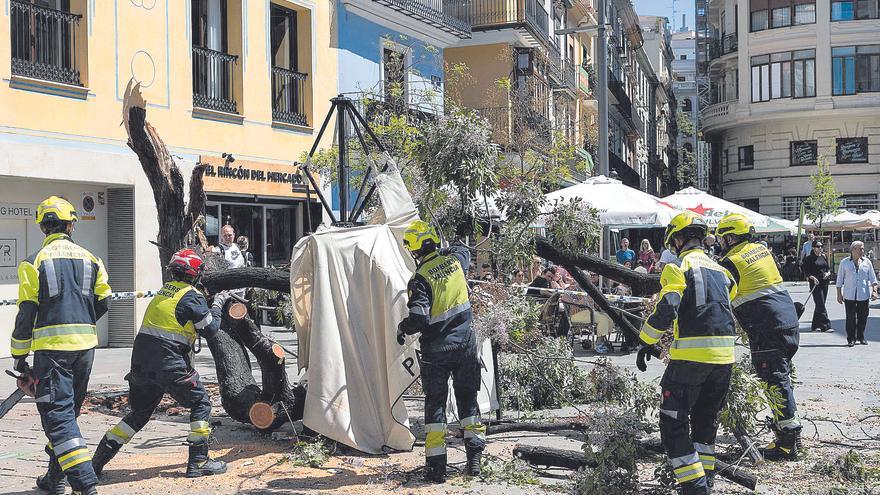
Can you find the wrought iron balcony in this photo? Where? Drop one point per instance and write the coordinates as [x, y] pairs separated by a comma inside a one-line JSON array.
[[44, 43], [495, 14], [432, 12], [288, 102], [214, 80], [730, 43]]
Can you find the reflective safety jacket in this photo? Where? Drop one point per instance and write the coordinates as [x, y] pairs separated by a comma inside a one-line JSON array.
[[62, 292], [439, 305], [172, 322], [695, 301], [761, 302]]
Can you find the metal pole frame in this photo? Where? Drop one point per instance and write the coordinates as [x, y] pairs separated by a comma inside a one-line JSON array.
[[602, 62]]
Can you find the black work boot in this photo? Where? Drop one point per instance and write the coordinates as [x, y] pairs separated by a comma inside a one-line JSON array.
[[435, 469], [53, 481], [784, 447], [200, 464], [106, 450], [710, 478], [472, 467]]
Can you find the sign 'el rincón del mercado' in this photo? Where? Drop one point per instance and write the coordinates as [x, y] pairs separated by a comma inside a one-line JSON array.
[[248, 177]]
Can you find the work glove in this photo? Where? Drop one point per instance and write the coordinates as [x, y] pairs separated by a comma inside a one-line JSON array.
[[220, 300], [401, 335], [21, 366], [645, 353]]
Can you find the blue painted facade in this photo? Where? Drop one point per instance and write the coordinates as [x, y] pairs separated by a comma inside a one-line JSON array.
[[360, 43]]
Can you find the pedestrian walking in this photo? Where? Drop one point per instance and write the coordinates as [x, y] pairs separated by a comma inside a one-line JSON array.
[[856, 285], [160, 363], [440, 310], [63, 292], [694, 302], [818, 272]]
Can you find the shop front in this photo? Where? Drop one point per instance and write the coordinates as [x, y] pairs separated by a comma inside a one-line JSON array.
[[270, 204]]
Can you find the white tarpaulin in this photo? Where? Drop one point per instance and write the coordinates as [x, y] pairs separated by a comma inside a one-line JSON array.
[[349, 294], [713, 209], [619, 205]]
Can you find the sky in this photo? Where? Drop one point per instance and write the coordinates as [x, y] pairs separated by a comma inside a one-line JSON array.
[[664, 8]]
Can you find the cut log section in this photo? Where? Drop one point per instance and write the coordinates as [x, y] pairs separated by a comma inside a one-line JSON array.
[[237, 311]]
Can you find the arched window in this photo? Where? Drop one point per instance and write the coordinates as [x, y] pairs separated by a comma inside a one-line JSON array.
[[686, 105]]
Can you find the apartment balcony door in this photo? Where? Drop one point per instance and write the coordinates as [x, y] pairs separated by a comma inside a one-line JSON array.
[[43, 40], [288, 83], [213, 66]]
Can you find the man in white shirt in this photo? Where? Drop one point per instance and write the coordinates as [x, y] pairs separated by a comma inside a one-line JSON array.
[[228, 248], [856, 284]]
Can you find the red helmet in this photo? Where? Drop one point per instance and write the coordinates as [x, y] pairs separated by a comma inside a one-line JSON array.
[[186, 261]]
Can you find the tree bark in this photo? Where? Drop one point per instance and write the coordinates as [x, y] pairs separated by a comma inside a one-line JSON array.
[[535, 427], [240, 278], [176, 219], [266, 407], [243, 399], [641, 284]]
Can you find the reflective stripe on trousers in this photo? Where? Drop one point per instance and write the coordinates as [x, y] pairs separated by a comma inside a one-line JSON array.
[[473, 428], [707, 455], [435, 439], [199, 431], [121, 433], [687, 467]]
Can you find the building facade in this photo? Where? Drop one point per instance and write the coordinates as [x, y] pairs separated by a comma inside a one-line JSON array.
[[523, 76], [662, 128], [792, 83], [684, 68], [244, 79]]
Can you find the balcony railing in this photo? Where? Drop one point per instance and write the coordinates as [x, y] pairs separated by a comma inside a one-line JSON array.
[[44, 43], [214, 80], [624, 103], [288, 103], [716, 114], [730, 43], [484, 14], [568, 75], [724, 46], [432, 12]]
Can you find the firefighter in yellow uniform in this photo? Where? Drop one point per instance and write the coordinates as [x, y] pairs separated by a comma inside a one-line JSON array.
[[766, 312], [62, 293], [440, 310], [695, 303]]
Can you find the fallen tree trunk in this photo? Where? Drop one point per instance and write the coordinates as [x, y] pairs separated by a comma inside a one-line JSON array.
[[278, 402], [622, 321], [572, 459], [641, 284], [534, 427], [240, 278]]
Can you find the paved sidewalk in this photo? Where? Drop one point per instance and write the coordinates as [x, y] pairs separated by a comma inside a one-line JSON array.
[[833, 381]]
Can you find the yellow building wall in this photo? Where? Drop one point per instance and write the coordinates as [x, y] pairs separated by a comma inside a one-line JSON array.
[[486, 64], [70, 146], [153, 44]]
